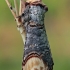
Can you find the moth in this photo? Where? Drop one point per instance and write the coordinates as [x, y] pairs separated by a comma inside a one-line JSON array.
[[30, 22]]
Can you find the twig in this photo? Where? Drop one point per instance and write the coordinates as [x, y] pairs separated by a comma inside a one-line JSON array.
[[16, 7], [19, 24], [11, 8], [22, 7]]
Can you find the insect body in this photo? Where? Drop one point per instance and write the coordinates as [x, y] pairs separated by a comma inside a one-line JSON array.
[[36, 44], [30, 22]]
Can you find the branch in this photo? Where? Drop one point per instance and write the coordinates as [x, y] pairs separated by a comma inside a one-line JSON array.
[[22, 7], [11, 8], [16, 7], [20, 25]]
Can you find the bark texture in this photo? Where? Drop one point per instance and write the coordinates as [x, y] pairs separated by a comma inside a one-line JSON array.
[[36, 42]]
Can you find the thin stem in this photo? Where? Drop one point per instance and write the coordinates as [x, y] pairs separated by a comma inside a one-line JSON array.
[[16, 7], [22, 7], [11, 8], [21, 29]]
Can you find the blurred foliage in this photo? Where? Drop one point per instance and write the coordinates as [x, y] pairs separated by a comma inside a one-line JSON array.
[[57, 23]]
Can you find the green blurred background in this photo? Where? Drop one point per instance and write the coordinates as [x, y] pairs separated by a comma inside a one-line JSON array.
[[57, 23]]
